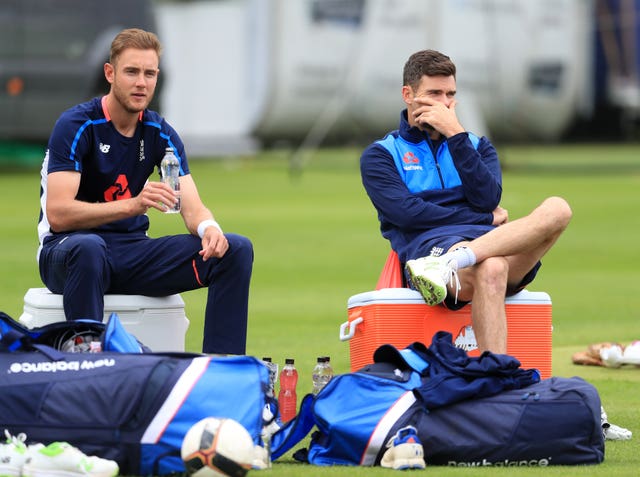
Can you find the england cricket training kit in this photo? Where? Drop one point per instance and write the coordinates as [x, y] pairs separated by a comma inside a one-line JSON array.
[[420, 187], [119, 257], [152, 267]]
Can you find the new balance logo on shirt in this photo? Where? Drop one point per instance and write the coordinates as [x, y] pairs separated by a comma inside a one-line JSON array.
[[141, 155]]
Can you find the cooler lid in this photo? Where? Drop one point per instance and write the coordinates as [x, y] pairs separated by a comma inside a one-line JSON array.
[[526, 297], [386, 296], [406, 295], [42, 298]]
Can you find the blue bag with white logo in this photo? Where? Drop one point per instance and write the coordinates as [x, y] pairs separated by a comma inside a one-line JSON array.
[[131, 408], [478, 411], [134, 408]]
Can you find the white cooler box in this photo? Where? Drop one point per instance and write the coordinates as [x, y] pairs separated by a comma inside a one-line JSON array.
[[158, 322]]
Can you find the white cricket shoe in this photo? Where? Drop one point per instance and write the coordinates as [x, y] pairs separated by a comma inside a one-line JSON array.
[[430, 276], [60, 459], [12, 455], [404, 451], [611, 431], [261, 458]]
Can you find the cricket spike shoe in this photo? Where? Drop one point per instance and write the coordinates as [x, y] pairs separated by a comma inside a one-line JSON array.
[[404, 451]]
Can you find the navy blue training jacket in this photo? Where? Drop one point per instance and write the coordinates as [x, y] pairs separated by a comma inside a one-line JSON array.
[[424, 190]]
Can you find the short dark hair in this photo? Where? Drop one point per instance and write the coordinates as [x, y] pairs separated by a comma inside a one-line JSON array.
[[134, 38], [426, 63]]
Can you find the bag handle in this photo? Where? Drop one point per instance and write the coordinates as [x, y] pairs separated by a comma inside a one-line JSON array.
[[295, 430]]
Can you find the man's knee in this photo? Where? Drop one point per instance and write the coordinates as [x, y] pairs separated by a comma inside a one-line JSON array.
[[88, 253], [487, 277], [78, 257], [88, 244], [240, 250], [557, 212], [492, 272]]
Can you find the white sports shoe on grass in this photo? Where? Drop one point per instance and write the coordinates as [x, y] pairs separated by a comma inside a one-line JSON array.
[[60, 459], [404, 451], [430, 276], [611, 431]]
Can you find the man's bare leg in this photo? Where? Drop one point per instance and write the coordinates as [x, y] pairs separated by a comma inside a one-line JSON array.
[[499, 258], [525, 240], [504, 256], [485, 285]]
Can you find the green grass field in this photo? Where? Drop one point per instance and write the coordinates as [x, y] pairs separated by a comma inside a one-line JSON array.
[[317, 243]]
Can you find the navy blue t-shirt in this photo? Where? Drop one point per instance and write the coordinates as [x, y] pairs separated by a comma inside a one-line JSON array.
[[112, 166]]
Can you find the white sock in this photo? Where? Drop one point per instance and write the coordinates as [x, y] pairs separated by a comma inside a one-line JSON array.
[[463, 256]]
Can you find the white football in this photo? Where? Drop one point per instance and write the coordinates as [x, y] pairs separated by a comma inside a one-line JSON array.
[[217, 447]]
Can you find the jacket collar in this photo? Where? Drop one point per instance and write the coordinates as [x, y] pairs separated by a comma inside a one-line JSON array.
[[411, 133]]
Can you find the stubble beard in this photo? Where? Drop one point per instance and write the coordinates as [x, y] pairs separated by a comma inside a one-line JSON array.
[[126, 104]]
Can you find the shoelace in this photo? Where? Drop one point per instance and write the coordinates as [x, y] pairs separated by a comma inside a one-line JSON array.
[[451, 276], [15, 440]]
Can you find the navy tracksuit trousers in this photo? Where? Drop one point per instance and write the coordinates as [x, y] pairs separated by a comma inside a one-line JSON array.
[[84, 266]]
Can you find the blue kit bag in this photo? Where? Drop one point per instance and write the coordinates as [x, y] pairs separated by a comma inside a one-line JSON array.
[[134, 408], [480, 411], [71, 336]]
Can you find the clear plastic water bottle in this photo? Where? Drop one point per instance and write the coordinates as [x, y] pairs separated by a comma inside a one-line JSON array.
[[273, 374], [322, 373], [287, 397], [328, 370], [269, 424], [317, 375], [170, 173]]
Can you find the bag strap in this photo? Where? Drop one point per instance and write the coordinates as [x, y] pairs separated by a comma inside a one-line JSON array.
[[14, 336], [11, 340], [295, 430], [50, 352]]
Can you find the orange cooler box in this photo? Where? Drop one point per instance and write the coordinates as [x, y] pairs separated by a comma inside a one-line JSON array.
[[399, 316]]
